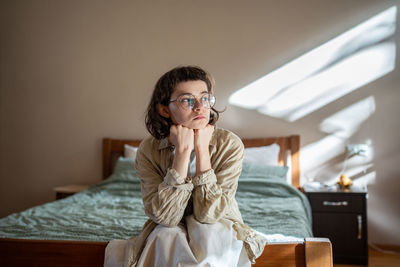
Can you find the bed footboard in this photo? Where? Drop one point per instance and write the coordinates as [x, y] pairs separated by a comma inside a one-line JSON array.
[[25, 252], [314, 252]]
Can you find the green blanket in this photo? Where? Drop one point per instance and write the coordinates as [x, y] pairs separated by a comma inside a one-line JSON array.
[[271, 206], [113, 209]]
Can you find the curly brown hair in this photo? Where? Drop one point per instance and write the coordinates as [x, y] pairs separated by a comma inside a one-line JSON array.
[[159, 126]]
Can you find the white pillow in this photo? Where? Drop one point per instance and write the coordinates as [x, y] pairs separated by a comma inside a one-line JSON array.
[[130, 151], [268, 155]]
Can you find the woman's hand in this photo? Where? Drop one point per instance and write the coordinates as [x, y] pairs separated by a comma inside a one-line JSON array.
[[183, 139], [202, 139]]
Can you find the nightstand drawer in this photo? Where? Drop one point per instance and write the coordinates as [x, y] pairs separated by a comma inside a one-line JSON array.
[[336, 202]]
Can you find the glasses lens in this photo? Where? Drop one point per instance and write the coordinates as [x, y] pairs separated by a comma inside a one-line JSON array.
[[186, 101], [211, 100], [189, 101], [208, 100]]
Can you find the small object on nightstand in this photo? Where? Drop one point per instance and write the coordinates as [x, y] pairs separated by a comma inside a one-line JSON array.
[[69, 190], [344, 182]]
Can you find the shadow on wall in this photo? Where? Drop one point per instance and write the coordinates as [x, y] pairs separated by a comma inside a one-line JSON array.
[[346, 63], [335, 153]]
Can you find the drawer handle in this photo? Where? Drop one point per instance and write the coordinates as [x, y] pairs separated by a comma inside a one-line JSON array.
[[335, 203], [359, 221]]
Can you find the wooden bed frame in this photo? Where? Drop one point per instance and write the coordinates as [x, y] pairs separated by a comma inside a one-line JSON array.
[[313, 252]]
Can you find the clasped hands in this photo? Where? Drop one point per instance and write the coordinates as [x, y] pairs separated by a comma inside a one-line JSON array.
[[185, 139]]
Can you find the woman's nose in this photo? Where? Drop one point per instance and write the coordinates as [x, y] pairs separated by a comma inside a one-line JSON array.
[[197, 105]]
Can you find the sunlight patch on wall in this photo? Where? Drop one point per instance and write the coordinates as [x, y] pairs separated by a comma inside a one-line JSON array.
[[313, 157], [326, 73], [346, 122], [340, 127]]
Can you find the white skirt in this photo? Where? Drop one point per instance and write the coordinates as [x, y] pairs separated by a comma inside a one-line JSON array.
[[198, 245]]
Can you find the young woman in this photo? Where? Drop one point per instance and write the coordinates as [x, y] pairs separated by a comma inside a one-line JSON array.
[[189, 172]]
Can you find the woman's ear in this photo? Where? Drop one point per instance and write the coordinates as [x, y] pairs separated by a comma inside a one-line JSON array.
[[163, 111]]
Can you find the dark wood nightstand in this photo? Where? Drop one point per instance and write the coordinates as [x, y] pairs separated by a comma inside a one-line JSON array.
[[69, 190], [341, 216]]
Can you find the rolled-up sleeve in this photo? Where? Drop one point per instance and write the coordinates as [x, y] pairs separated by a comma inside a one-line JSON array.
[[214, 191], [165, 197]]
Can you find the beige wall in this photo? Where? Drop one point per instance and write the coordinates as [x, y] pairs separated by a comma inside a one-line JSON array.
[[73, 72]]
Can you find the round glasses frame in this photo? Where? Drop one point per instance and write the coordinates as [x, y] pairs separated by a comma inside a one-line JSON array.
[[188, 101]]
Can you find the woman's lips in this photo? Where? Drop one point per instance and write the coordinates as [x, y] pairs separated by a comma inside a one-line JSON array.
[[199, 117]]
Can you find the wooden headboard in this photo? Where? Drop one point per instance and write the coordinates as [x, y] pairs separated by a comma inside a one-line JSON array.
[[290, 145]]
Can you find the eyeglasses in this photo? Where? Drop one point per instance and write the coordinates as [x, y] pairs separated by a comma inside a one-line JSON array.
[[188, 101]]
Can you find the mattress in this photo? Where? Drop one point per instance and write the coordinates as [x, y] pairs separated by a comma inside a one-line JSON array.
[[113, 209]]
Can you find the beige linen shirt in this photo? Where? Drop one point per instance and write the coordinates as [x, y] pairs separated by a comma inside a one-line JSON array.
[[167, 196]]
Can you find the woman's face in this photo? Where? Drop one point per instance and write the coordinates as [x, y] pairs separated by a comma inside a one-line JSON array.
[[195, 118]]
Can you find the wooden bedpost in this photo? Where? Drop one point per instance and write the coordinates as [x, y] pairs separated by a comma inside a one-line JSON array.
[[295, 153], [318, 252]]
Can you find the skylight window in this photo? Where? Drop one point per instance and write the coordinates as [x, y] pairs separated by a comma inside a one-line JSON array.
[[326, 73]]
